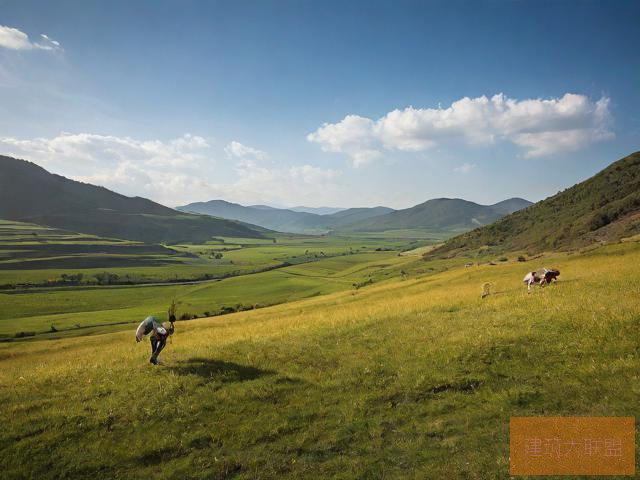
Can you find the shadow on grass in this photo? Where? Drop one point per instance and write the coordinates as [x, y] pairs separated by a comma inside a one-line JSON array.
[[219, 370]]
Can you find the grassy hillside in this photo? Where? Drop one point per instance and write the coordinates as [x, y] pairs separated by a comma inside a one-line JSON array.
[[28, 193], [440, 214], [605, 207], [398, 380]]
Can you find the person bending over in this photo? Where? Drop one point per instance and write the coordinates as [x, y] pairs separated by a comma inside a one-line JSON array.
[[159, 334]]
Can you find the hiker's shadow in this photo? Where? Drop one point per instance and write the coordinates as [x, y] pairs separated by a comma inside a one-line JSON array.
[[219, 370]]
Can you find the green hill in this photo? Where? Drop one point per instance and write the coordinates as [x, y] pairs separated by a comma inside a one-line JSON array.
[[440, 214], [606, 207], [352, 215], [29, 193]]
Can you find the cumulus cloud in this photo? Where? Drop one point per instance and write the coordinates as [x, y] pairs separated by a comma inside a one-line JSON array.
[[15, 39], [539, 126], [173, 172], [353, 136], [464, 168], [238, 150]]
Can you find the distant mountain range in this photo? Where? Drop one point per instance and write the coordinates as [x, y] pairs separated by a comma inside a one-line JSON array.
[[453, 215], [317, 210], [604, 208], [440, 214], [28, 193], [281, 219]]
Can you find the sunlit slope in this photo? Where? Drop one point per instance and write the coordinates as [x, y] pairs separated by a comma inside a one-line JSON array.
[[603, 208], [406, 379]]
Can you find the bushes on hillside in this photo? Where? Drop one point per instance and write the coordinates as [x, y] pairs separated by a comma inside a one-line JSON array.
[[614, 211], [74, 279], [106, 278]]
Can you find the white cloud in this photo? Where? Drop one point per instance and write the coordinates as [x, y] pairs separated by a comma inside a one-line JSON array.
[[353, 136], [541, 127], [126, 165], [15, 39], [464, 168], [238, 150], [173, 172]]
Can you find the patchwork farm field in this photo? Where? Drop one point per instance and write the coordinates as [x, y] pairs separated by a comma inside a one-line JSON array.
[[35, 256], [85, 310], [415, 376], [221, 276]]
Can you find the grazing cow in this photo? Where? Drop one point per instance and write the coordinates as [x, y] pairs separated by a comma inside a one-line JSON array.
[[541, 277]]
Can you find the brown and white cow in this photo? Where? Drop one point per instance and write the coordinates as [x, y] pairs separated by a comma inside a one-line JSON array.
[[541, 277]]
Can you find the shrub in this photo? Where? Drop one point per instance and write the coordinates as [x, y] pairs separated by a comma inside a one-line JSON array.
[[106, 278], [599, 220], [363, 284]]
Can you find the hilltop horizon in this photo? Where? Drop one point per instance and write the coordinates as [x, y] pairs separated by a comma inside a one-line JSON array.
[[304, 208]]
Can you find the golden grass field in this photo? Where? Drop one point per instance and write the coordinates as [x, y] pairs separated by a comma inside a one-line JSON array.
[[413, 378]]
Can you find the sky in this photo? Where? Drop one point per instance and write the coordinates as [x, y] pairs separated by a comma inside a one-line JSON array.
[[321, 103]]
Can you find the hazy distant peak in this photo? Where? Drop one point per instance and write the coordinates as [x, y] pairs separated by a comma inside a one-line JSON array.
[[317, 210]]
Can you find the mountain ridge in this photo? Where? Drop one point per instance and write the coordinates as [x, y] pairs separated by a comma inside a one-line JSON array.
[[281, 219], [30, 193], [440, 214], [605, 207], [317, 210]]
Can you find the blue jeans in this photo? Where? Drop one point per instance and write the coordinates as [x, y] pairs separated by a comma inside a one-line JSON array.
[[157, 344]]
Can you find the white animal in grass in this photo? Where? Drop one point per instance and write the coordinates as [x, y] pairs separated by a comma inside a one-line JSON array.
[[542, 277]]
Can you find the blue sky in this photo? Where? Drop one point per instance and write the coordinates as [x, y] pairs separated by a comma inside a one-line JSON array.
[[321, 103]]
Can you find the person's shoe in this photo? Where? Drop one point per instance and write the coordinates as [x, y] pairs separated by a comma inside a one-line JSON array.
[[154, 360]]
